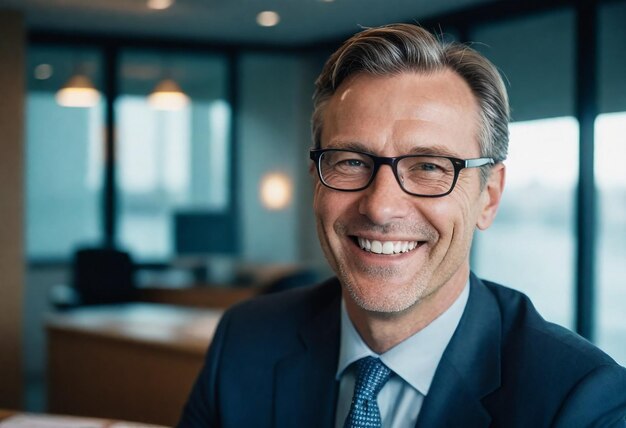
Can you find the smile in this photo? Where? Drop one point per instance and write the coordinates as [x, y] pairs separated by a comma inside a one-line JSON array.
[[387, 247]]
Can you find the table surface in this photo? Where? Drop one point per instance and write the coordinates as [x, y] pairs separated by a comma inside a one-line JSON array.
[[198, 296], [15, 419], [174, 327]]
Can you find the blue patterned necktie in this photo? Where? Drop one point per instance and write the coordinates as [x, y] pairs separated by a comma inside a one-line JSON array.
[[372, 375]]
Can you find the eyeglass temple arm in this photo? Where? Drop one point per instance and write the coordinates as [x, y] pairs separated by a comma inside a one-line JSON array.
[[473, 163]]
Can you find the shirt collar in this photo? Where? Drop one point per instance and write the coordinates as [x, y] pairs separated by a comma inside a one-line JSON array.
[[415, 359]]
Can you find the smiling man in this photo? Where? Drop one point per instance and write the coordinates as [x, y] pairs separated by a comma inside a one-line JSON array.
[[399, 237], [410, 135]]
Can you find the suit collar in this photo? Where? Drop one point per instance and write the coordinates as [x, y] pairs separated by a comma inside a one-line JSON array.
[[469, 368], [306, 389]]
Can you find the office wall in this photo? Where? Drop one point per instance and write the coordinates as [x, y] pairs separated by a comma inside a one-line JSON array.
[[309, 249], [536, 56], [273, 136], [11, 207]]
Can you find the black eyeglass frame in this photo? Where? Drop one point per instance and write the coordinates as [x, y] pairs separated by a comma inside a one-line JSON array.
[[459, 164]]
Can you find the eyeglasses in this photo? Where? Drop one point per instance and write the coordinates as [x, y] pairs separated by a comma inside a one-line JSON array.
[[419, 175]]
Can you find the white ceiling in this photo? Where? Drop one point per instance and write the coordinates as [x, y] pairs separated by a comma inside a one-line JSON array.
[[228, 21]]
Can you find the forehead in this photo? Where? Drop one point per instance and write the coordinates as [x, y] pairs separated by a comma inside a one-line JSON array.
[[403, 113]]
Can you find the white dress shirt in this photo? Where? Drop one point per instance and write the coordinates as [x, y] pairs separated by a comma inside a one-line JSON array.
[[414, 362]]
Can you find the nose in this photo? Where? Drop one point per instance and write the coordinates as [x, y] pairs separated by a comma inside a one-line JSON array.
[[384, 200]]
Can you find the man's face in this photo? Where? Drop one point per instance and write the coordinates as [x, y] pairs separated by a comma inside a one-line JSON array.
[[392, 116]]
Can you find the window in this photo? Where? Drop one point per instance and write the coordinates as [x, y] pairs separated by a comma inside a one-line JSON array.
[[531, 245], [63, 156], [611, 270], [610, 146], [170, 160]]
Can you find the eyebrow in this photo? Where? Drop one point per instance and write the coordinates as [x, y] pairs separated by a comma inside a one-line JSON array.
[[349, 145], [433, 150], [436, 149]]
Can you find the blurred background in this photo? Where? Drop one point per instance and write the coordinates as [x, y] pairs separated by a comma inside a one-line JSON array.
[[173, 135]]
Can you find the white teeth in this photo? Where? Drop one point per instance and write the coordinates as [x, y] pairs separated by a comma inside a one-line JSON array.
[[387, 247]]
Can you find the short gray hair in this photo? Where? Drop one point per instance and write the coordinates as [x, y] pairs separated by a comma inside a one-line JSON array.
[[399, 48]]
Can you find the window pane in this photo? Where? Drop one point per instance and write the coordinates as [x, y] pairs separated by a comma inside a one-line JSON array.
[[530, 246], [611, 182], [63, 155], [170, 160], [610, 153]]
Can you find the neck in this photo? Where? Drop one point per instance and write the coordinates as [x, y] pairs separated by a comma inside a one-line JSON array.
[[383, 331]]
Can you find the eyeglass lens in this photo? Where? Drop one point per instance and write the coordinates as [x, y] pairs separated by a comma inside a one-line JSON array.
[[423, 175]]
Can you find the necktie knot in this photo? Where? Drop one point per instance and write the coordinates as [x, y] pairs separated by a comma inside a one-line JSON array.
[[372, 375]]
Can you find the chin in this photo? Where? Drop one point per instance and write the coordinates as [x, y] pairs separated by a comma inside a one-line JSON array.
[[380, 295], [382, 306]]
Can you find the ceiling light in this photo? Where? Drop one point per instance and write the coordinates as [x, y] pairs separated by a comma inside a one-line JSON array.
[[43, 72], [79, 91], [267, 18], [167, 95], [275, 191], [160, 4]]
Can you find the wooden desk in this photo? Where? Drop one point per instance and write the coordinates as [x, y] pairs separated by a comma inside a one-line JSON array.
[[132, 362], [198, 296], [15, 419], [259, 279]]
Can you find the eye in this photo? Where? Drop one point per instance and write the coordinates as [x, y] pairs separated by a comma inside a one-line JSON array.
[[428, 167], [349, 161], [352, 163]]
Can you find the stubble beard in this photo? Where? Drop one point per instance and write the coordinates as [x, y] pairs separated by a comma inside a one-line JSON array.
[[392, 300]]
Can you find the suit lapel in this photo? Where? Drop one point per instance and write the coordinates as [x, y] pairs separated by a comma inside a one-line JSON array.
[[305, 389], [469, 368]]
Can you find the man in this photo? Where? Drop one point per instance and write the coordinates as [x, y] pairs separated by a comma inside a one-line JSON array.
[[410, 135]]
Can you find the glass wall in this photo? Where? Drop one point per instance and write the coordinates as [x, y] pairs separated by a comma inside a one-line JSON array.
[[610, 132], [64, 148], [170, 159], [531, 245]]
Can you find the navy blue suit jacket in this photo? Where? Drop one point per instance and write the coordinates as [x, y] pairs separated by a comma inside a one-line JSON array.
[[273, 360]]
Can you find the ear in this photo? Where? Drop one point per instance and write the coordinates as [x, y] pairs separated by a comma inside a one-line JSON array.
[[491, 196]]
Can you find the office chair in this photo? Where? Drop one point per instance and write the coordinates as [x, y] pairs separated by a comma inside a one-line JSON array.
[[99, 276]]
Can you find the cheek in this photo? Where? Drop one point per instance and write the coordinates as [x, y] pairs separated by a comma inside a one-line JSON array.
[[442, 216], [451, 218], [320, 200], [328, 205]]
